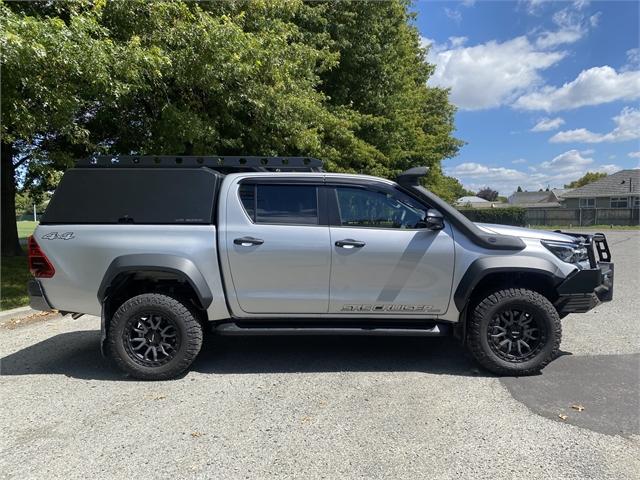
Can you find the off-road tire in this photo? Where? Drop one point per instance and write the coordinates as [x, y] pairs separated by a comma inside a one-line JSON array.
[[487, 308], [186, 324]]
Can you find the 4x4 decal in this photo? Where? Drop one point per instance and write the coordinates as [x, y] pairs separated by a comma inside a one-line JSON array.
[[58, 236]]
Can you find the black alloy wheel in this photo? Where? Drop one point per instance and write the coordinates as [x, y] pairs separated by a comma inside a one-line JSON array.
[[516, 335], [151, 339]]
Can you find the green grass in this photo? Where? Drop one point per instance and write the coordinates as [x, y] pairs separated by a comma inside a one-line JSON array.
[[13, 287], [567, 228], [15, 273], [26, 228]]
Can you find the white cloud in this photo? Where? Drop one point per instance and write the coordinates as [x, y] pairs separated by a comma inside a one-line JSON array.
[[454, 15], [634, 154], [571, 27], [570, 161], [609, 168], [519, 160], [548, 124], [457, 41], [594, 86], [472, 169], [490, 74], [627, 128], [561, 169], [533, 7], [633, 60], [559, 37]]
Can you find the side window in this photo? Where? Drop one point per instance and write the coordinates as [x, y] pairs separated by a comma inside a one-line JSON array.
[[248, 199], [285, 204], [360, 207]]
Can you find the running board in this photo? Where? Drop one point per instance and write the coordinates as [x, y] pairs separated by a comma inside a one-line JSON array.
[[233, 329]]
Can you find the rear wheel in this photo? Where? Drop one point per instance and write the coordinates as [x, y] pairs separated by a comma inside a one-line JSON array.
[[154, 337], [514, 332]]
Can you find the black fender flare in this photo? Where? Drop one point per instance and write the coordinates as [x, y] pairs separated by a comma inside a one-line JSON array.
[[150, 262], [482, 267], [157, 262]]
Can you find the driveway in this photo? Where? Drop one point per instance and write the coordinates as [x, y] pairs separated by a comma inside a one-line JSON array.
[[335, 407]]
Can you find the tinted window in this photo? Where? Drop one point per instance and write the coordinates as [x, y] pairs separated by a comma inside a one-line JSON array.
[[289, 204], [248, 199], [366, 208], [134, 195]]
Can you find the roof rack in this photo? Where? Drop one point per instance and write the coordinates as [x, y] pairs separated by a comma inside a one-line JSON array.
[[223, 164]]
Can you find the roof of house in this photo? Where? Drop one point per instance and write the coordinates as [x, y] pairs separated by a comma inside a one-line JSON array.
[[561, 192], [624, 182], [520, 198], [470, 199]]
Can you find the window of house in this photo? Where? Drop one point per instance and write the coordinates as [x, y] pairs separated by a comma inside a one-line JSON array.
[[374, 209], [636, 202], [587, 203], [285, 204], [619, 202]]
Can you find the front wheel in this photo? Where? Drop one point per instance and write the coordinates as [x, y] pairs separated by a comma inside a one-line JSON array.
[[154, 337], [514, 332]]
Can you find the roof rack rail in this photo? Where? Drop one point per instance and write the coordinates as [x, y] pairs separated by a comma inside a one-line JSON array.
[[223, 164]]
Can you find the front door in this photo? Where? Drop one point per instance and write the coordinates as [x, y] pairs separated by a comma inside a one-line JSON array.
[[279, 254], [384, 262]]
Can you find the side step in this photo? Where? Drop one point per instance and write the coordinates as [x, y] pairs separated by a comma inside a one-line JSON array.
[[281, 328]]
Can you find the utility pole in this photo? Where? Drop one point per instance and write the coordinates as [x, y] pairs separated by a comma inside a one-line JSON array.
[[35, 215]]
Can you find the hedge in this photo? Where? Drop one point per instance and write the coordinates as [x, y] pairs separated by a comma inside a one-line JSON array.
[[505, 216]]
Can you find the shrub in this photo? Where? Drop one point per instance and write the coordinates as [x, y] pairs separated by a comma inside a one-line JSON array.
[[504, 216]]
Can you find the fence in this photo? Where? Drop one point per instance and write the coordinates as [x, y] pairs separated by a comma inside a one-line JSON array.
[[582, 217]]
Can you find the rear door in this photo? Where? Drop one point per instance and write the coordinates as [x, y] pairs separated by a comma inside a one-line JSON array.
[[278, 247], [383, 261]]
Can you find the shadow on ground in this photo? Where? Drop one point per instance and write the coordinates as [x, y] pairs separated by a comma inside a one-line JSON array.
[[77, 354], [607, 386]]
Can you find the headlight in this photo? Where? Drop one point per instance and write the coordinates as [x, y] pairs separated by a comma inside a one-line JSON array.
[[567, 252]]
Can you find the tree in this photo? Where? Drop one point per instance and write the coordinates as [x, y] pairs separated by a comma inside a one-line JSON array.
[[343, 82], [448, 188], [488, 194], [588, 177], [57, 72], [519, 189]]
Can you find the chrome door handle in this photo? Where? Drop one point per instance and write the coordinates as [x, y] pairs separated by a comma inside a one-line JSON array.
[[349, 243], [248, 241]]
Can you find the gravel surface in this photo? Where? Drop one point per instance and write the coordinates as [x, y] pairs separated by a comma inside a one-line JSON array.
[[321, 407]]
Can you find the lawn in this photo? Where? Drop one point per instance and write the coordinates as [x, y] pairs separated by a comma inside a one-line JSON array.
[[26, 228], [15, 275], [600, 228]]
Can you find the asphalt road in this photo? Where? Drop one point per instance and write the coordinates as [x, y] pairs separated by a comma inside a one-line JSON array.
[[328, 407]]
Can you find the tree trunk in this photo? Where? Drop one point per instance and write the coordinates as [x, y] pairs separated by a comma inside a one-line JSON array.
[[10, 243]]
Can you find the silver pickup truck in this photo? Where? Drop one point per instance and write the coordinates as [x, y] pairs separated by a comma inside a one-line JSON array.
[[162, 248]]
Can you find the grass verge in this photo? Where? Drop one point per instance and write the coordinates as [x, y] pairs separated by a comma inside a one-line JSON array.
[[568, 228], [26, 228], [13, 286]]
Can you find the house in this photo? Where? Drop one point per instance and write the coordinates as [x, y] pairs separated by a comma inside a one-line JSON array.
[[618, 190], [471, 201], [545, 199]]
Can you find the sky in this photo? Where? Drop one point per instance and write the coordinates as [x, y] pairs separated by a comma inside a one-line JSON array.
[[545, 90]]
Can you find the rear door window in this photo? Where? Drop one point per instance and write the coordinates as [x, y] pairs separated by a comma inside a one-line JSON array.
[[281, 204]]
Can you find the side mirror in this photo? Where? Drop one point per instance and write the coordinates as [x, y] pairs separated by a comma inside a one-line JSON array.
[[434, 220]]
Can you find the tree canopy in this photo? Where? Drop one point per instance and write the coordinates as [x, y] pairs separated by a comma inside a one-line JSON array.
[[488, 194], [588, 177], [342, 81]]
